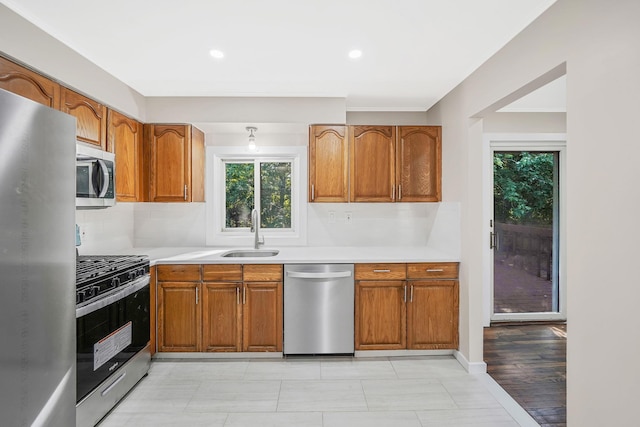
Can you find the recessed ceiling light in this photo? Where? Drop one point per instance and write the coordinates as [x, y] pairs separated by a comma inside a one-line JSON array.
[[218, 54], [355, 54]]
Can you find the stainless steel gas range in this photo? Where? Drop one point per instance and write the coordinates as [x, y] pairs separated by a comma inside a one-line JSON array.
[[112, 329]]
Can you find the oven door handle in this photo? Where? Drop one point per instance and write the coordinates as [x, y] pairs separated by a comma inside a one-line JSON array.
[[135, 286]]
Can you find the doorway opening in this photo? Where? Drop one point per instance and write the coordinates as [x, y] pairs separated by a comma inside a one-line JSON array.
[[526, 227]]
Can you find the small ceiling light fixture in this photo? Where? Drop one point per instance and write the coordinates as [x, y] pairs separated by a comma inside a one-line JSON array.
[[252, 137], [355, 54], [217, 54]]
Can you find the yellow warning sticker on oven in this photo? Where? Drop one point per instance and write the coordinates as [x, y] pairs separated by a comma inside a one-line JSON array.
[[111, 345]]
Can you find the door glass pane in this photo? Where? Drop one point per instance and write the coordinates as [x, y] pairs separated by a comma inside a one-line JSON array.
[[275, 195], [526, 227], [239, 194]]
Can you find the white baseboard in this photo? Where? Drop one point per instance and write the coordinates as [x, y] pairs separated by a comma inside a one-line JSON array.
[[516, 411], [401, 353], [471, 367]]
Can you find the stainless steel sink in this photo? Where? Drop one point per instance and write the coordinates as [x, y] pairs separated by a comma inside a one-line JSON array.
[[250, 253]]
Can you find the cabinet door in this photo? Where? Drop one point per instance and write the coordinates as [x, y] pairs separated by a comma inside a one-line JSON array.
[[124, 138], [372, 163], [170, 168], [28, 84], [380, 315], [221, 316], [179, 316], [419, 159], [328, 164], [91, 117], [433, 314], [197, 165], [154, 307], [262, 316]]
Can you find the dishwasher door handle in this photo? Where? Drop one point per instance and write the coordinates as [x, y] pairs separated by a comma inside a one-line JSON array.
[[331, 275]]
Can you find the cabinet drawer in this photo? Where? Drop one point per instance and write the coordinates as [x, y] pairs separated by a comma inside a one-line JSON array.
[[262, 273], [222, 273], [380, 271], [432, 270], [179, 273]]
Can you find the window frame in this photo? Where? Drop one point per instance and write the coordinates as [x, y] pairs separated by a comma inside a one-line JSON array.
[[257, 191], [217, 234]]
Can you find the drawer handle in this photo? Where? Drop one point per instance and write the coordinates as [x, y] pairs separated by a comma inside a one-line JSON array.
[[435, 270], [382, 271]]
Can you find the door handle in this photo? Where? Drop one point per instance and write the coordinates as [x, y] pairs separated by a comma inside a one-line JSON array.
[[493, 240]]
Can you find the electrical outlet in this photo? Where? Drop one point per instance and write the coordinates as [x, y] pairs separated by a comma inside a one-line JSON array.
[[332, 217], [348, 217]]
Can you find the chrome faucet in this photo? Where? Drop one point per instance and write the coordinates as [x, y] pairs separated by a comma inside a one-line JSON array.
[[255, 229]]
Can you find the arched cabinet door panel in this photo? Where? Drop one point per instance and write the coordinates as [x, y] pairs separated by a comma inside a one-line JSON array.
[[91, 117], [26, 83], [328, 164]]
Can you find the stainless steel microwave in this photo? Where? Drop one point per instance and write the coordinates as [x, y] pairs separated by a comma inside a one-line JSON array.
[[95, 178]]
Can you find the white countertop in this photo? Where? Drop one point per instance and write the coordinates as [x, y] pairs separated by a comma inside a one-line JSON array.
[[294, 255]]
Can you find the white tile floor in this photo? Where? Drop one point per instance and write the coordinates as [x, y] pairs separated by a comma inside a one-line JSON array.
[[315, 392]]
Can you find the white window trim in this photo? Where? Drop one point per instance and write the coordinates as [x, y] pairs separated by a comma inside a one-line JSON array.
[[297, 236]]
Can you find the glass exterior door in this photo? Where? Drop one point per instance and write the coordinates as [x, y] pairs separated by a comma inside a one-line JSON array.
[[525, 234]]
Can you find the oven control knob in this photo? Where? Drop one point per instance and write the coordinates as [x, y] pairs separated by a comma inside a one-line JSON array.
[[140, 272], [78, 298], [115, 282], [88, 293], [132, 275]]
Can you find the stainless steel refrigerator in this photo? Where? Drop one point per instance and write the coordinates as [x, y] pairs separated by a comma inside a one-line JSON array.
[[37, 264]]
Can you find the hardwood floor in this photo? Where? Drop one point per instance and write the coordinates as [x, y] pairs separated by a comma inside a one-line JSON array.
[[529, 362]]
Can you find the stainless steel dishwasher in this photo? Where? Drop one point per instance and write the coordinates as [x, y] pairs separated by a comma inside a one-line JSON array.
[[318, 309]]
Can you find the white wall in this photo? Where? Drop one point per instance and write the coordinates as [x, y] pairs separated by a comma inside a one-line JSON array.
[[26, 43], [525, 123], [598, 43], [386, 118]]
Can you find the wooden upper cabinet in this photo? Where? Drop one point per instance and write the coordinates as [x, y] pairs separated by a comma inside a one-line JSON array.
[[176, 169], [372, 159], [328, 164], [419, 163], [124, 138], [28, 84], [91, 117]]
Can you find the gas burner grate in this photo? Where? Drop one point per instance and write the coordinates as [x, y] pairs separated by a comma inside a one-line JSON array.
[[99, 274]]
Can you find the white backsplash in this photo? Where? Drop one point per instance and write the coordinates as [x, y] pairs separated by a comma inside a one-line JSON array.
[[106, 230], [128, 225], [371, 224], [169, 224]]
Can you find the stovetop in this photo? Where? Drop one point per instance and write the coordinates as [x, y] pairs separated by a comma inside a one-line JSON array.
[[100, 274]]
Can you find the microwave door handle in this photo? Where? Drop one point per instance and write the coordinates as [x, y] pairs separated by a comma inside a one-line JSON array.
[[105, 178]]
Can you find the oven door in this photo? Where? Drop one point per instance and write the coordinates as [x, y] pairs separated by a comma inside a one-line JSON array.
[[109, 332]]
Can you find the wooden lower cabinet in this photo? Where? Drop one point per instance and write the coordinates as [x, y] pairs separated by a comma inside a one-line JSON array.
[[380, 315], [420, 313], [179, 316], [222, 316], [215, 309], [153, 309], [432, 314], [262, 316]]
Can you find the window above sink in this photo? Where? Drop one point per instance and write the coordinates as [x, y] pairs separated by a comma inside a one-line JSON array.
[[273, 180]]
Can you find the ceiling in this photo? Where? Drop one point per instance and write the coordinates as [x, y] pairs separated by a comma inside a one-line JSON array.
[[413, 51]]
